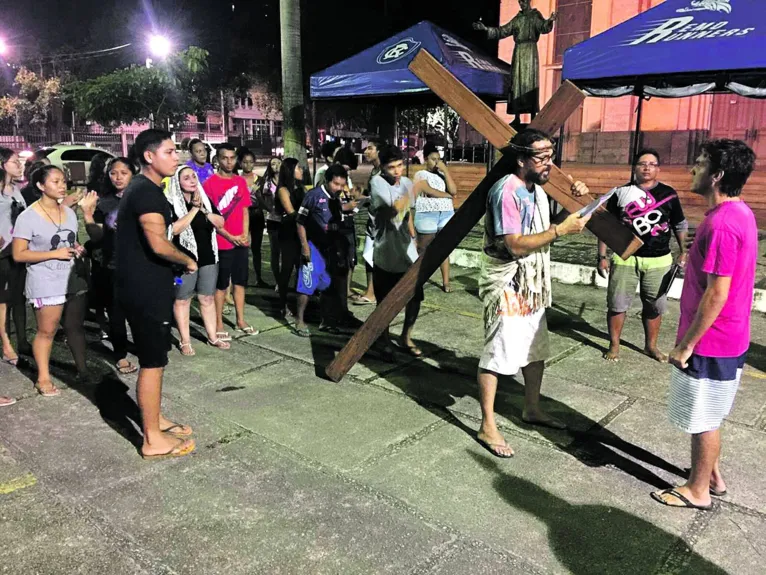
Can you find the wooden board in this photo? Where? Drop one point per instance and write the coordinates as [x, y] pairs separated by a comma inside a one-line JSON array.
[[469, 107]]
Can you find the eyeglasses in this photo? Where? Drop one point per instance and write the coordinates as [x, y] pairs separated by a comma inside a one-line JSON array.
[[647, 164], [542, 160]]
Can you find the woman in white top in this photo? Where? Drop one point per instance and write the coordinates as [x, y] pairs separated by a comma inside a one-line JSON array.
[[434, 189]]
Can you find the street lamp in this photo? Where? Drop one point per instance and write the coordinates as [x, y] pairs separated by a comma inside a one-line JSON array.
[[3, 47], [160, 47]]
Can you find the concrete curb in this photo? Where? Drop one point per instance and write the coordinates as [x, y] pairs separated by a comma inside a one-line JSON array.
[[583, 275]]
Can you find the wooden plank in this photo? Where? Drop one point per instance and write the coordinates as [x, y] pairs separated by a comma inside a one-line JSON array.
[[605, 226], [558, 109], [449, 238]]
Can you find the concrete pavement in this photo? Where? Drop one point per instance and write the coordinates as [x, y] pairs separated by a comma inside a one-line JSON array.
[[380, 473]]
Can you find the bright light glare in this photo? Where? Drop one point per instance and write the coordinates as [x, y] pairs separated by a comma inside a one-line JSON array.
[[3, 47], [160, 46]]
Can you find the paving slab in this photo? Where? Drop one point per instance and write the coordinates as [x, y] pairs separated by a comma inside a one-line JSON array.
[[340, 425], [736, 541], [39, 536], [320, 349], [67, 441], [542, 504], [477, 561], [645, 424], [268, 515], [579, 406]]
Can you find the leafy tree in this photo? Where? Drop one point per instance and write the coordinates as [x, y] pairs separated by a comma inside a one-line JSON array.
[[35, 99], [167, 92]]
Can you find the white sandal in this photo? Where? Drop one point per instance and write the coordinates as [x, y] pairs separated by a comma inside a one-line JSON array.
[[219, 343], [191, 353], [222, 336]]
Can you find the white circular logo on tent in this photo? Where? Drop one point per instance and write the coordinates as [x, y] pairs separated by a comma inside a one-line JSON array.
[[397, 51], [712, 5]]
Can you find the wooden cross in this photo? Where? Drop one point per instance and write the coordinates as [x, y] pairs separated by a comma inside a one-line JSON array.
[[605, 226]]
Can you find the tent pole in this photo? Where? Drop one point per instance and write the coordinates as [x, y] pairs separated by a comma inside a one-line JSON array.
[[396, 126], [314, 147], [446, 139], [407, 159], [637, 135]]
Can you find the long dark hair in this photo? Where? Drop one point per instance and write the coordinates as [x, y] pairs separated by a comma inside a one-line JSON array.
[[97, 171], [108, 189], [5, 155], [287, 180]]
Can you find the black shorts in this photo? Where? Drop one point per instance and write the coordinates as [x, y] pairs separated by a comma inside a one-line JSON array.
[[232, 265], [151, 338], [383, 282], [13, 276]]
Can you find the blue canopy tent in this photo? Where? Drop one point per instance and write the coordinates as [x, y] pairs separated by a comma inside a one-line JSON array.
[[676, 49], [382, 70]]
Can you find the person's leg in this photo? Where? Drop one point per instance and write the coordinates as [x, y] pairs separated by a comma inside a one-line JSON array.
[[290, 252], [411, 313], [488, 432], [717, 482], [654, 304], [382, 287], [73, 322], [275, 254], [207, 311], [444, 218], [706, 448], [18, 307], [369, 293], [181, 309], [239, 280], [533, 382], [8, 351], [623, 281], [302, 304], [220, 300], [149, 393], [48, 318], [118, 331], [225, 260], [257, 224]]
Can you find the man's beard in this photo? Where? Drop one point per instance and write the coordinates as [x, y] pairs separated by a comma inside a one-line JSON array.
[[538, 178]]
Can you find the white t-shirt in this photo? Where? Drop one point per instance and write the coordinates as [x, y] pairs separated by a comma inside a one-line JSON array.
[[426, 204], [392, 249]]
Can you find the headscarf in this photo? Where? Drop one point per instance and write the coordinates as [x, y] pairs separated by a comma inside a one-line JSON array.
[[176, 198]]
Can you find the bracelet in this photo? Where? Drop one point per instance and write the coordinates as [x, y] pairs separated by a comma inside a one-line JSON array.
[[600, 257]]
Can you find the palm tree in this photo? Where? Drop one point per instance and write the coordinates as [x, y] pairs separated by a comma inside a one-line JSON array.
[[292, 80]]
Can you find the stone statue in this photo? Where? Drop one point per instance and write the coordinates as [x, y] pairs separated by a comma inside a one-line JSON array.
[[525, 28]]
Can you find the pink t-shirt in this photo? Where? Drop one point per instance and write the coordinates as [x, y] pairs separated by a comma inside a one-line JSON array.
[[726, 244], [232, 198]]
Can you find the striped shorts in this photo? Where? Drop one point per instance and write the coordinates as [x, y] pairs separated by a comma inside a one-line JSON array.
[[701, 395]]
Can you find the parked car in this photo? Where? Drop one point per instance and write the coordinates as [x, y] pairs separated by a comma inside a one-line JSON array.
[[74, 159]]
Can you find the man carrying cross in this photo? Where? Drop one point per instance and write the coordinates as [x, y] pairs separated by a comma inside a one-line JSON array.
[[515, 283]]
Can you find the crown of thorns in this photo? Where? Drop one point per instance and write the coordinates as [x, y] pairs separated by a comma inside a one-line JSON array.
[[528, 149]]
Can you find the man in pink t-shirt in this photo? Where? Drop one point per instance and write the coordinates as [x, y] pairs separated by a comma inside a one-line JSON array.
[[231, 196], [714, 329]]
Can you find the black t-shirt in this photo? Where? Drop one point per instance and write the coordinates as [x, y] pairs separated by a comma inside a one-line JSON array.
[[203, 236], [289, 229], [651, 214], [106, 215], [145, 281]]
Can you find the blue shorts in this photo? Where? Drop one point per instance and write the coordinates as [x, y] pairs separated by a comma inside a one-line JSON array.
[[432, 222], [313, 277]]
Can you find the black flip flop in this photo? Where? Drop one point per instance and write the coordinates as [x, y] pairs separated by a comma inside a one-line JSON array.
[[491, 448], [686, 503]]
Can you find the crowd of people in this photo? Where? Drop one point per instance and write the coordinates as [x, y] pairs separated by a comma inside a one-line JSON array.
[[160, 233]]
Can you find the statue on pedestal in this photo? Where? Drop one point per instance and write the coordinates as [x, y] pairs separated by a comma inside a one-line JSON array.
[[526, 28]]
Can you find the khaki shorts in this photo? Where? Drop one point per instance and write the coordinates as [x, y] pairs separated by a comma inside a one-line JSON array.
[[627, 275]]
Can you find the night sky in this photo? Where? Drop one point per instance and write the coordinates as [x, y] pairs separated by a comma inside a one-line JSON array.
[[331, 29]]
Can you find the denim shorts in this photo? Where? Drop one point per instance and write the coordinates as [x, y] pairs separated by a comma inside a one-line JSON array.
[[432, 222]]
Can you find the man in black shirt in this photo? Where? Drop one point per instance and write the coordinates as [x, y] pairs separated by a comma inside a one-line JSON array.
[[146, 286], [651, 209]]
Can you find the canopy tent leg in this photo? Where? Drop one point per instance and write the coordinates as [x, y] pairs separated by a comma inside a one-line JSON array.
[[446, 138], [396, 125], [314, 147], [407, 149], [635, 145]]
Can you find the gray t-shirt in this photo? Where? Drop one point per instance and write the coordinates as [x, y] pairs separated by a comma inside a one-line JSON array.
[[51, 277], [392, 240], [6, 207]]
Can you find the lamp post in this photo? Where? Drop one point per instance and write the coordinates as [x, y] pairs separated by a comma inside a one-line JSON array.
[[160, 47], [3, 47]]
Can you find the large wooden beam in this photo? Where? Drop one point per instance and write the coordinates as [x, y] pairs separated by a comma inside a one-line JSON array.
[[565, 101], [483, 119], [449, 238]]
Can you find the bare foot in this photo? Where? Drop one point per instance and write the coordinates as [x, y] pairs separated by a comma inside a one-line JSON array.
[[717, 485], [613, 354], [495, 443], [178, 429], [542, 419], [656, 354]]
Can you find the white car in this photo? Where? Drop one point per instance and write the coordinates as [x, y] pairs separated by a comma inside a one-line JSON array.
[[74, 159]]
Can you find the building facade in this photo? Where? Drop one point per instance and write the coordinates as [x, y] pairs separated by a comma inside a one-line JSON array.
[[600, 131]]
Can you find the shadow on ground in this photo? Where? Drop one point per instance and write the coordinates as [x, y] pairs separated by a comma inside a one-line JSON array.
[[590, 538]]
